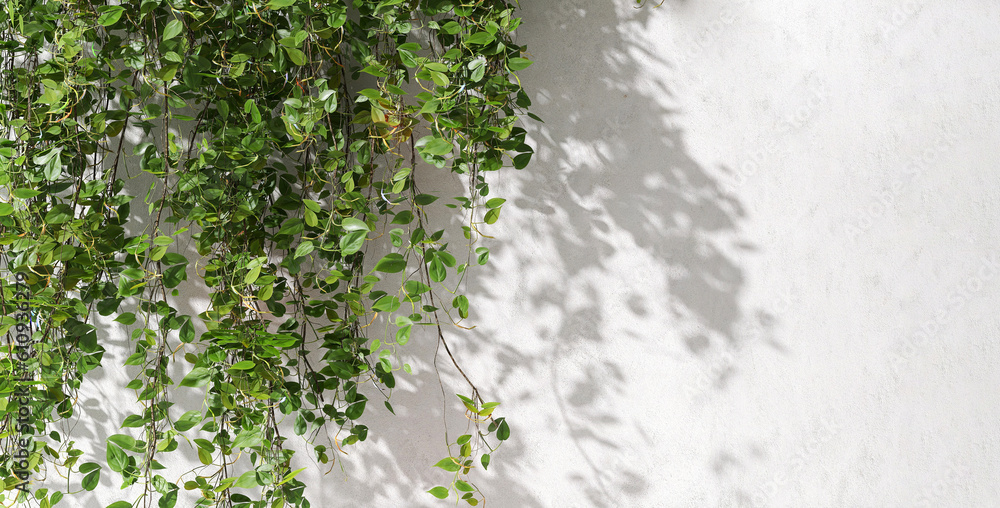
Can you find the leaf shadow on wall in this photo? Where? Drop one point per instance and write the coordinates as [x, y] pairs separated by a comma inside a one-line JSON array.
[[612, 175]]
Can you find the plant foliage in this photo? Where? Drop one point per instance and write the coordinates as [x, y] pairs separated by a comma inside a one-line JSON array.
[[280, 142]]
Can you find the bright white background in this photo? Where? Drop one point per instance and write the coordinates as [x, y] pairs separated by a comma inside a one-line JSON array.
[[754, 263]]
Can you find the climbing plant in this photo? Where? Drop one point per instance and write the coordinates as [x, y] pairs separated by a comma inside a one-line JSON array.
[[260, 159]]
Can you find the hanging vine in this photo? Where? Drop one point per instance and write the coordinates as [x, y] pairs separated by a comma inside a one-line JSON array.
[[280, 142]]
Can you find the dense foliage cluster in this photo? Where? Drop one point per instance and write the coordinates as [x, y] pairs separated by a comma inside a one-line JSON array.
[[278, 144]]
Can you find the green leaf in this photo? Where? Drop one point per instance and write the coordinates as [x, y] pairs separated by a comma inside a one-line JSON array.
[[295, 55], [265, 292], [386, 304], [370, 94], [136, 358], [352, 242], [437, 270], [25, 193], [482, 255], [478, 69], [126, 318], [204, 456], [169, 499], [110, 15], [463, 486], [310, 217], [279, 4], [403, 336], [252, 275], [133, 274], [292, 226], [311, 205], [415, 287], [188, 420], [449, 464], [439, 492], [59, 214], [6, 209], [424, 199], [352, 224], [469, 403], [173, 29], [90, 480], [44, 158], [430, 107], [291, 475], [446, 258], [516, 64], [403, 217], [521, 161], [503, 432], [485, 459], [440, 78], [53, 168], [204, 444], [480, 38], [120, 504], [133, 421], [199, 376], [438, 146], [174, 275], [492, 216], [407, 57], [117, 459], [301, 425], [158, 252], [354, 411], [391, 263], [248, 438], [126, 442], [243, 365], [250, 106], [247, 480], [304, 249], [488, 408], [462, 304], [187, 330]]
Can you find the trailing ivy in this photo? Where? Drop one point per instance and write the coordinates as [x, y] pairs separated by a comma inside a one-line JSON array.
[[282, 140]]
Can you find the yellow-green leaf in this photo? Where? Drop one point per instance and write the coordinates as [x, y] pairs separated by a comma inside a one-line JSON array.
[[173, 29]]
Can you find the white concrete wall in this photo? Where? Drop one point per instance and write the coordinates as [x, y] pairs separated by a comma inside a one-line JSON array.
[[753, 264]]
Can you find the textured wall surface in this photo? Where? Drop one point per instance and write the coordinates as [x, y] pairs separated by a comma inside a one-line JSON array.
[[755, 263]]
